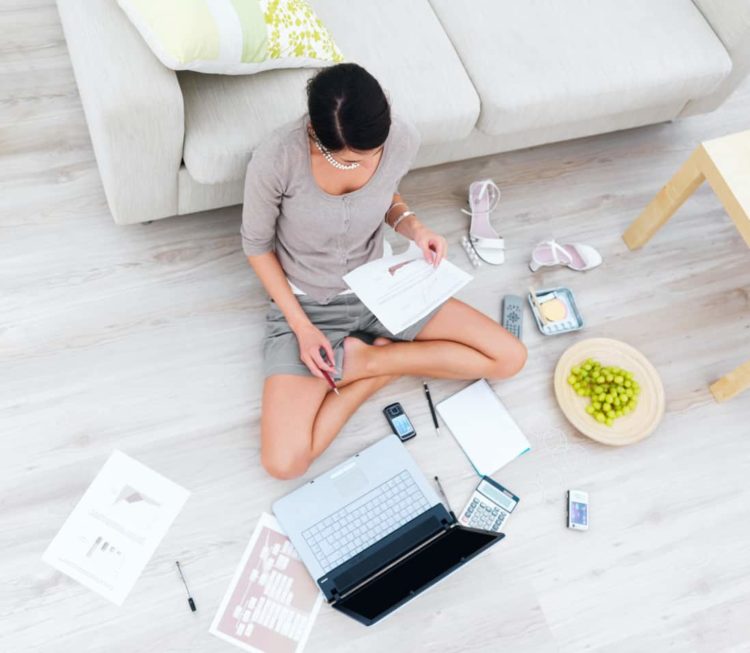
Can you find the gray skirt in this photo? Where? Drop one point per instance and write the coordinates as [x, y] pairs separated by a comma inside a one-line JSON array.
[[340, 318]]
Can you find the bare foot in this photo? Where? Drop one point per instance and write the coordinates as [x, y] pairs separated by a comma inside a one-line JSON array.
[[358, 358]]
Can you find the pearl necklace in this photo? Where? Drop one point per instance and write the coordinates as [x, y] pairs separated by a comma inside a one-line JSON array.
[[329, 157]]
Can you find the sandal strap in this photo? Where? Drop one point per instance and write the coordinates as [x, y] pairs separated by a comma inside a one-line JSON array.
[[558, 250], [488, 243], [490, 187]]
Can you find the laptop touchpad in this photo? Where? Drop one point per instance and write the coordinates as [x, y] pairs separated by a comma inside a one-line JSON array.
[[350, 481]]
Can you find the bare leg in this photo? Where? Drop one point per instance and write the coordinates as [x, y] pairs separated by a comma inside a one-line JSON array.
[[301, 417], [459, 342]]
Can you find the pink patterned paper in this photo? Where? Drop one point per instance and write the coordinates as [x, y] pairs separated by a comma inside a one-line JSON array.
[[272, 602]]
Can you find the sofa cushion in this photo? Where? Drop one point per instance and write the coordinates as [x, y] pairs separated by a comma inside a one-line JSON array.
[[400, 43], [539, 63]]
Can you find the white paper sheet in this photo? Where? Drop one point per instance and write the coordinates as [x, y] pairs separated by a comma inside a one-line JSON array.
[[402, 289], [271, 604], [114, 530], [483, 427]]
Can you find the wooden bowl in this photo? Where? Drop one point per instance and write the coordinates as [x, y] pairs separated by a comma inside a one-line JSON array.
[[629, 428]]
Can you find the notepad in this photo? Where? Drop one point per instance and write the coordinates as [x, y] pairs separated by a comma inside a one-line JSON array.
[[483, 428]]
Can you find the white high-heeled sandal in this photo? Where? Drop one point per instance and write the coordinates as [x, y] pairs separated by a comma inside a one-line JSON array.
[[573, 255], [483, 240]]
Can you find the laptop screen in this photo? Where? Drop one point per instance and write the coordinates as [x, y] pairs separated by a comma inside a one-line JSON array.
[[416, 573]]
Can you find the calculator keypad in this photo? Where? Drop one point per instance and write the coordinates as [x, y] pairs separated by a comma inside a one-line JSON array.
[[482, 514]]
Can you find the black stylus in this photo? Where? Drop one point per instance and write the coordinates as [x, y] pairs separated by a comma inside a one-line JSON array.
[[191, 603], [442, 492]]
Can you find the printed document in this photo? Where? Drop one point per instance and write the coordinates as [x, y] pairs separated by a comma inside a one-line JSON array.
[[113, 531], [402, 289], [271, 603]]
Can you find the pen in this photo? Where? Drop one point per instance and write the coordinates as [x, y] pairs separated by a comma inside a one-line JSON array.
[[328, 377], [432, 408], [191, 603], [442, 493]]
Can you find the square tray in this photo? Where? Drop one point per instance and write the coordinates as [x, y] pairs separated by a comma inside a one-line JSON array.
[[573, 322]]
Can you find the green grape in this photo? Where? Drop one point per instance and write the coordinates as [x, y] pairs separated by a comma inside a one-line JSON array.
[[611, 389]]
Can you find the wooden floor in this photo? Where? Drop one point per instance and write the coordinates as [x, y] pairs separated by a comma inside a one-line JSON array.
[[146, 339]]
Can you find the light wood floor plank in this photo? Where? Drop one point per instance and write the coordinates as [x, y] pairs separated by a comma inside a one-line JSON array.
[[147, 339]]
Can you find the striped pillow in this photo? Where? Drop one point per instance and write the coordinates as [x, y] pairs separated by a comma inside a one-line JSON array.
[[233, 37]]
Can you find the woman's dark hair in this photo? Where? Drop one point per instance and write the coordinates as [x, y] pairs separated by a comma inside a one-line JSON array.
[[348, 108]]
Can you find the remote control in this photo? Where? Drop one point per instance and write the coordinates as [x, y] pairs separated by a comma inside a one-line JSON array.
[[512, 317]]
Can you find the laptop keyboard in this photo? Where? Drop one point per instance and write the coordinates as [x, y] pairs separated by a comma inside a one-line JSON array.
[[370, 518]]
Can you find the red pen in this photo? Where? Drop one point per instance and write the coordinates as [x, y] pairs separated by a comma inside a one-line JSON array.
[[328, 377]]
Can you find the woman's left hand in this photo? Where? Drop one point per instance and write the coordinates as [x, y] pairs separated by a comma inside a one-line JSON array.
[[433, 246]]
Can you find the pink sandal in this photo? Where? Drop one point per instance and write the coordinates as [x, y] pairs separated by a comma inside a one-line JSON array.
[[483, 242], [573, 255]]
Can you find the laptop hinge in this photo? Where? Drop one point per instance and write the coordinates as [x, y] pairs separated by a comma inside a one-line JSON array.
[[381, 554], [388, 567]]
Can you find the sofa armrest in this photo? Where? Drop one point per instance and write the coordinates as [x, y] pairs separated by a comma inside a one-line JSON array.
[[133, 107], [730, 20]]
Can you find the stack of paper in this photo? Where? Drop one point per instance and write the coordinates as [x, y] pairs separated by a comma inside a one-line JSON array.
[[483, 428]]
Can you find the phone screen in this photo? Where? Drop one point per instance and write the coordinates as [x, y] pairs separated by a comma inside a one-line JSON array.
[[402, 424], [579, 513]]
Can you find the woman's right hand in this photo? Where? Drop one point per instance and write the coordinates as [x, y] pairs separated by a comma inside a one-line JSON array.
[[311, 340]]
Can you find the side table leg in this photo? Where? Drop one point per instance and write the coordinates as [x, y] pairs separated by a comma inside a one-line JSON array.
[[667, 201], [732, 384]]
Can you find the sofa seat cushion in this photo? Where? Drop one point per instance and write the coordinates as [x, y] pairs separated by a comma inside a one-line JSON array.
[[401, 43], [539, 63]]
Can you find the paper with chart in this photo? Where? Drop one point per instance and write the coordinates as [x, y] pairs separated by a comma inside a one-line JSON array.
[[402, 289], [272, 602], [113, 531]]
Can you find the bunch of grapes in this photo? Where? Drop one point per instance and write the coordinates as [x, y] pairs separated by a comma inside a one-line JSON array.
[[612, 390]]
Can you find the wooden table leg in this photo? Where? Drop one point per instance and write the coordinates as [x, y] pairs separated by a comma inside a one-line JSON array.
[[667, 201], [732, 384]]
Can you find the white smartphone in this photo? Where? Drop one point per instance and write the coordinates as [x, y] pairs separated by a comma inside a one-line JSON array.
[[578, 510]]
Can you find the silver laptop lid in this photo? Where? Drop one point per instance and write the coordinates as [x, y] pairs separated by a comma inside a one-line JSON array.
[[339, 513]]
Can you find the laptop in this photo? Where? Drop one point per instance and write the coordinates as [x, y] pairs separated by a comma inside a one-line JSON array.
[[374, 534]]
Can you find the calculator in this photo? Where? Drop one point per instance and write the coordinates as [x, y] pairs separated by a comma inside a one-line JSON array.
[[489, 506]]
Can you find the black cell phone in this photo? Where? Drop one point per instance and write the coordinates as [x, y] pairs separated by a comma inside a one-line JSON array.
[[400, 423]]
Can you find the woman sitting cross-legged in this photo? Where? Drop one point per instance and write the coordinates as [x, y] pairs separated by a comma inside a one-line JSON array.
[[318, 195]]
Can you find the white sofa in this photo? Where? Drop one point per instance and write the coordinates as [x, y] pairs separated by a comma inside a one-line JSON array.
[[475, 76]]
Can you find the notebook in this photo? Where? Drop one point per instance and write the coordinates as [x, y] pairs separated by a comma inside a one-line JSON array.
[[483, 428]]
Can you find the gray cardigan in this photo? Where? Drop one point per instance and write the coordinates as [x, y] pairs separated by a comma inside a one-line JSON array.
[[319, 237]]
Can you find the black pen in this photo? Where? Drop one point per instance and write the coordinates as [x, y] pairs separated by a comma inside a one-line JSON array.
[[191, 603], [432, 408]]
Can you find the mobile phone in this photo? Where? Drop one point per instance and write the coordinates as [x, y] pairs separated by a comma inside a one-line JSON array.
[[400, 423], [578, 510]]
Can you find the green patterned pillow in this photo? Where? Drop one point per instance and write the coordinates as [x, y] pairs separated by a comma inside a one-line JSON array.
[[233, 37]]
